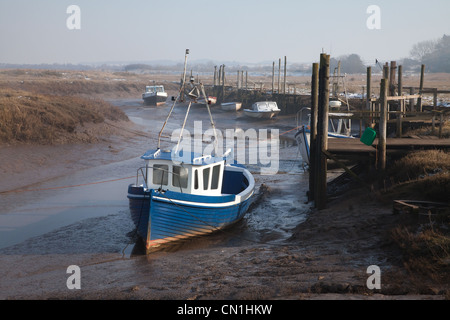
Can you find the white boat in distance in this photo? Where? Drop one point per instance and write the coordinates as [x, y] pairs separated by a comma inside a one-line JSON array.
[[263, 110], [231, 106], [154, 95]]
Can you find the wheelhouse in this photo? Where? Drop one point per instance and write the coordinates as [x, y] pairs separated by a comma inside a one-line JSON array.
[[197, 175]]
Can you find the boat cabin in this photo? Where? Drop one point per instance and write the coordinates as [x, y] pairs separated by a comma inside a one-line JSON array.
[[192, 174], [154, 89], [265, 106]]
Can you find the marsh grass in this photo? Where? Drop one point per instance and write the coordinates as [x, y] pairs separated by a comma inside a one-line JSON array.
[[47, 119], [424, 239]]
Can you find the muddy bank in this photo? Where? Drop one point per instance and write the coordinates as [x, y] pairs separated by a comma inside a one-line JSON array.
[[281, 249]]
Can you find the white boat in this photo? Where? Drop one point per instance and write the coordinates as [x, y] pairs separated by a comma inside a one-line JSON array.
[[154, 95], [263, 110], [231, 106]]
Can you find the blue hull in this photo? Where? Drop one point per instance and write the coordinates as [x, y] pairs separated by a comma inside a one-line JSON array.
[[162, 218]]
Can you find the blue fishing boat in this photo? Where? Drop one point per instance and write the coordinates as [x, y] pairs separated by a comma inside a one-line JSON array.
[[180, 194]]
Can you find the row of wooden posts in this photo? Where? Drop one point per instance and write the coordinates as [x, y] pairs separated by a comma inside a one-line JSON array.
[[219, 77], [319, 126]]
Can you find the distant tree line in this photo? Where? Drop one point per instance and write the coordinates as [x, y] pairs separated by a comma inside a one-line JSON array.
[[349, 64], [435, 54]]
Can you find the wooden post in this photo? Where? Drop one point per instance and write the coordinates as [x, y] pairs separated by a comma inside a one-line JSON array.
[[435, 98], [223, 83], [285, 69], [246, 79], [386, 71], [237, 79], [411, 101], [433, 123], [320, 192], [313, 130], [441, 120], [273, 77], [419, 101], [400, 80], [392, 78], [215, 75], [383, 124], [279, 75]]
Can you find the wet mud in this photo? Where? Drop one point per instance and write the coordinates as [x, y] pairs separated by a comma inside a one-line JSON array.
[[282, 249]]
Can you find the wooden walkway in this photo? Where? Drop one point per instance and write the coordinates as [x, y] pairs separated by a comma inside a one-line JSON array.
[[356, 147]]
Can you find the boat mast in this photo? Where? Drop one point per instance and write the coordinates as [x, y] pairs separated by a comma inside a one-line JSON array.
[[175, 101], [182, 91]]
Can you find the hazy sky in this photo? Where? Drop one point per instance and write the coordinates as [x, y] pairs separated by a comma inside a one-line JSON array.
[[35, 31]]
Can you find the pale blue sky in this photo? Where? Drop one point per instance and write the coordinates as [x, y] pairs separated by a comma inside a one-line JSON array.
[[34, 31]]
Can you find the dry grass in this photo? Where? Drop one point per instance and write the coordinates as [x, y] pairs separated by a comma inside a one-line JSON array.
[[88, 84], [420, 164], [426, 252], [48, 119], [423, 238]]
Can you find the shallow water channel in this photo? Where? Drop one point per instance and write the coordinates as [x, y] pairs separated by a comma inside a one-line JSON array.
[[87, 212]]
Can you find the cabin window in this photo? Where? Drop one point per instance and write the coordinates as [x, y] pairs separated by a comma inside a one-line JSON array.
[[160, 174], [215, 177], [206, 178], [180, 177], [196, 179]]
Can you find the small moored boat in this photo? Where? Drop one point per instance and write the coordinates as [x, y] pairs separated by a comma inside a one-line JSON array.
[[263, 110], [231, 106], [154, 95], [338, 128]]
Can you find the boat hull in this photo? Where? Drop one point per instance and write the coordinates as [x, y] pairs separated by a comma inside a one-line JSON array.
[[261, 114], [154, 100], [162, 218], [231, 106]]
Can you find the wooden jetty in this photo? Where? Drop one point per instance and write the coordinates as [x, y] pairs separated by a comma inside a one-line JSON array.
[[379, 111], [354, 147]]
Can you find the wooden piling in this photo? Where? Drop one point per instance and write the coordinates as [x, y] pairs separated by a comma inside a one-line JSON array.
[[320, 192], [383, 124], [313, 130], [392, 78], [285, 69], [215, 75], [419, 101], [273, 77], [411, 101], [369, 92], [400, 80]]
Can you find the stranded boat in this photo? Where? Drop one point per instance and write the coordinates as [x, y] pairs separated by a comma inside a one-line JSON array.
[[178, 195], [263, 110], [154, 95], [231, 106], [339, 127]]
